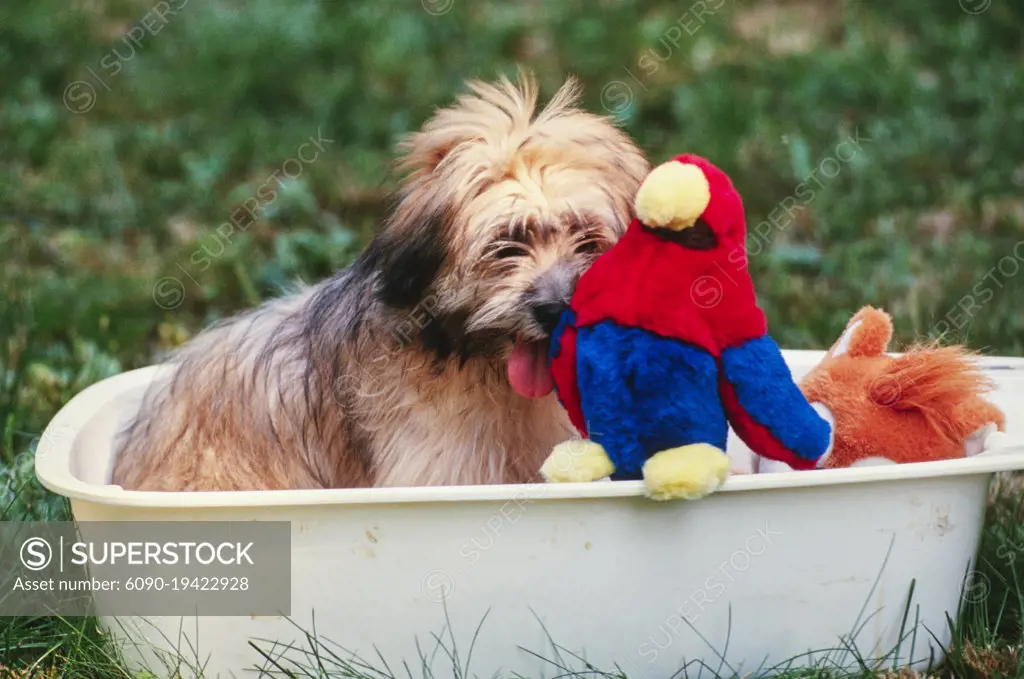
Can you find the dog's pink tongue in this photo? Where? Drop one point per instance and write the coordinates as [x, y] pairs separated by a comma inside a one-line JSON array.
[[528, 371]]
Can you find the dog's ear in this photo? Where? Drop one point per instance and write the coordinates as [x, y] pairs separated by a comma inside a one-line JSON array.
[[409, 252]]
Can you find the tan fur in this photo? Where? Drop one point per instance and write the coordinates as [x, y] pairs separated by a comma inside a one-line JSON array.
[[393, 372]]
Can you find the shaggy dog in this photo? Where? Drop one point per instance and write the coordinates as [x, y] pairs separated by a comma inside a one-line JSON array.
[[423, 363]]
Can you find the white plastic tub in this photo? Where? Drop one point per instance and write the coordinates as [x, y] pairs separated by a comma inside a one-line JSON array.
[[771, 567]]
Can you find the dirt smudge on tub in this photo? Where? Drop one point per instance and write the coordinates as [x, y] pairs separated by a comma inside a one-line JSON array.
[[364, 550], [370, 536], [942, 523], [587, 546]]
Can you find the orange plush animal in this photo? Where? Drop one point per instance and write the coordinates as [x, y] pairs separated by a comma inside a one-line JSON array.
[[926, 404]]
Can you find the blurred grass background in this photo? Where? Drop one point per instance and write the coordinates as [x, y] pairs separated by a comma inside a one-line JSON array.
[[130, 130]]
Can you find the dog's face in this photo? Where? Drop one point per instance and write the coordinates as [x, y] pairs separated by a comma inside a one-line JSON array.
[[502, 211]]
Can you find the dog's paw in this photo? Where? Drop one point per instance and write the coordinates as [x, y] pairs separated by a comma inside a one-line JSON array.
[[577, 461]]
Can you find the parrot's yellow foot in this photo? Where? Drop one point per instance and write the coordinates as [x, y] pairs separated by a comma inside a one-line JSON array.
[[577, 461], [687, 472]]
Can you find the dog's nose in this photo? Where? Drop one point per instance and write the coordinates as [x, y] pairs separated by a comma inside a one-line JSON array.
[[548, 313]]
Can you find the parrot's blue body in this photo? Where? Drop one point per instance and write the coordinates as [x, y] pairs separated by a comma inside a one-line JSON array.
[[650, 415]]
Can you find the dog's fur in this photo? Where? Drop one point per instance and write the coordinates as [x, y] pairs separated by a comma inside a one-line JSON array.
[[393, 372]]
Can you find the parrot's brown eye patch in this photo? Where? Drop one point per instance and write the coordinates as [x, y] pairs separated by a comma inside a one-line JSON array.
[[697, 237]]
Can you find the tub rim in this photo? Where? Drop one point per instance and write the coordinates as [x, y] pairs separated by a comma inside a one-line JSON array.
[[53, 467]]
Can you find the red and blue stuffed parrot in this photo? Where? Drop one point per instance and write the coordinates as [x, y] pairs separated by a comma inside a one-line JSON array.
[[664, 345]]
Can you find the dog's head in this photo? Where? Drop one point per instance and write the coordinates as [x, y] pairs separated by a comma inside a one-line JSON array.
[[502, 209]]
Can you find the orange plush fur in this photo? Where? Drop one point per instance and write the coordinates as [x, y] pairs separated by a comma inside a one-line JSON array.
[[915, 407]]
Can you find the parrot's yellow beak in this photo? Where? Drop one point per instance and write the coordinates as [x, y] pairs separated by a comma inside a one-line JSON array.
[[673, 196]]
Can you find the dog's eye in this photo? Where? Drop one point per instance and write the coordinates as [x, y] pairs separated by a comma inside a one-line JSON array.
[[588, 247], [511, 243], [509, 250]]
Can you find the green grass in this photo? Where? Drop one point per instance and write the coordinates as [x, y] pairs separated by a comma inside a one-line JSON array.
[[99, 208]]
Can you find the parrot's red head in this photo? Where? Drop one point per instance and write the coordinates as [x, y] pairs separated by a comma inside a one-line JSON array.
[[691, 202]]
